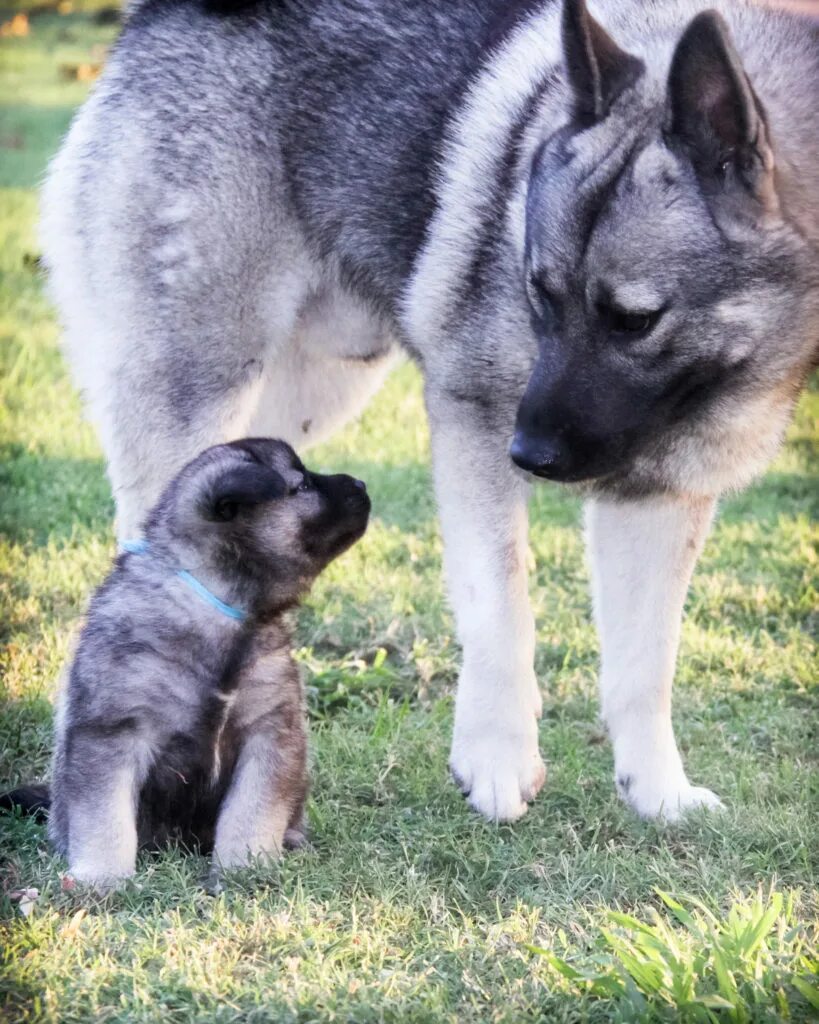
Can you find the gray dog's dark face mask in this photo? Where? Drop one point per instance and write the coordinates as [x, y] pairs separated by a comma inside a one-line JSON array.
[[647, 221]]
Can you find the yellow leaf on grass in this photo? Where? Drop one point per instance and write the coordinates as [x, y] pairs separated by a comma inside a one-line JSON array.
[[73, 925]]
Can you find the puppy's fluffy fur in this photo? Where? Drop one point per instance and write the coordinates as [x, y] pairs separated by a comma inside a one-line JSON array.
[[179, 720]]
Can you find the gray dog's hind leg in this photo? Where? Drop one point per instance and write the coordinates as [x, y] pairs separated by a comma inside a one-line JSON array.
[[642, 555], [144, 451], [482, 504], [176, 281], [162, 393]]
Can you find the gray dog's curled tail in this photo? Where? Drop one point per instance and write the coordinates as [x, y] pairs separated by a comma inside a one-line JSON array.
[[34, 799]]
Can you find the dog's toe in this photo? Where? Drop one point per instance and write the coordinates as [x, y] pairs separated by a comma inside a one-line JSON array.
[[498, 774], [295, 839], [667, 803], [459, 780]]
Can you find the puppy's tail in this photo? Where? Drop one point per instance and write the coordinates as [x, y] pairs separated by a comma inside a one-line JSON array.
[[34, 799]]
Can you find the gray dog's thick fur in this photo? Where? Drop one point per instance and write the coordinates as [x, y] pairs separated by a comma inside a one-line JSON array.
[[596, 231], [179, 720]]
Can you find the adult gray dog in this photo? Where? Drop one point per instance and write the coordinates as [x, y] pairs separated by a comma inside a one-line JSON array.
[[597, 235]]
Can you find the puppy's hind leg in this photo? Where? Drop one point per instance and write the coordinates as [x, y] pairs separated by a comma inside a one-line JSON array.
[[642, 556], [99, 789]]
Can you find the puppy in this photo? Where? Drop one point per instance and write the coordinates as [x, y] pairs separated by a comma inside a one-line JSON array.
[[183, 716]]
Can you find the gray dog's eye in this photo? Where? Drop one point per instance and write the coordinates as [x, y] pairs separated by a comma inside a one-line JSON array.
[[305, 485], [623, 321]]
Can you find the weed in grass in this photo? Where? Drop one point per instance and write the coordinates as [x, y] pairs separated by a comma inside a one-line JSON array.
[[754, 964]]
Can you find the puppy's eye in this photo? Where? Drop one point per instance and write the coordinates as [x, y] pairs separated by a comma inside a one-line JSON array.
[[226, 511], [305, 485], [624, 321]]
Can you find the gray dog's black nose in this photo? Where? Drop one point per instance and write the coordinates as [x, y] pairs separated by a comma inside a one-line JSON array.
[[547, 457]]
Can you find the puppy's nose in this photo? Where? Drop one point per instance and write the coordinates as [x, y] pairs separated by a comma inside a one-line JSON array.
[[355, 493]]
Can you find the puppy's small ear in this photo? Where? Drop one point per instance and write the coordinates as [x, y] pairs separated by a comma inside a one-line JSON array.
[[715, 114], [242, 487], [597, 69]]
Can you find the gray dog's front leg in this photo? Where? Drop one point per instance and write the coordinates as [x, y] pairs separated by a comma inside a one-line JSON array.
[[642, 556], [482, 505]]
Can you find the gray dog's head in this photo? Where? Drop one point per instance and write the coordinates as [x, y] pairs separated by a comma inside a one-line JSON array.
[[249, 517], [673, 300]]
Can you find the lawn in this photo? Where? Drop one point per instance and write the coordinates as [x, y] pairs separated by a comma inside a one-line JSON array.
[[407, 907]]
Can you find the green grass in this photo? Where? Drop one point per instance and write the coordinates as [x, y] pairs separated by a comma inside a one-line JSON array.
[[408, 907]]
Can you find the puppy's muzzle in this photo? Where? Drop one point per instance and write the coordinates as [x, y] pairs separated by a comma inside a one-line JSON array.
[[356, 498]]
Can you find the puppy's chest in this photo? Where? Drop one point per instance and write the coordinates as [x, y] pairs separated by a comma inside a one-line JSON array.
[[190, 776], [202, 749], [208, 737], [194, 766], [208, 722]]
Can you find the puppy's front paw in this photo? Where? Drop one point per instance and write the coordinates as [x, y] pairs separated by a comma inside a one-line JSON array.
[[667, 798], [498, 770], [295, 838]]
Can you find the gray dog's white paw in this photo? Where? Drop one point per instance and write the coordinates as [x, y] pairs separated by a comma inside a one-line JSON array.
[[101, 880], [667, 800], [498, 772]]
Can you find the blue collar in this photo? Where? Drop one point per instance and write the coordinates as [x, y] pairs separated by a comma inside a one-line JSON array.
[[141, 547]]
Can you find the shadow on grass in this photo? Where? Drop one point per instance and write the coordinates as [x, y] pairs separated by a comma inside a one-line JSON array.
[[25, 725], [43, 498]]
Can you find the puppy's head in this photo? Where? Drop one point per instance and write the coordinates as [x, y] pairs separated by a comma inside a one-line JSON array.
[[251, 516]]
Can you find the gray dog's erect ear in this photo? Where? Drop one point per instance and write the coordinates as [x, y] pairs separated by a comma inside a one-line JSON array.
[[598, 70], [241, 487], [714, 112]]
